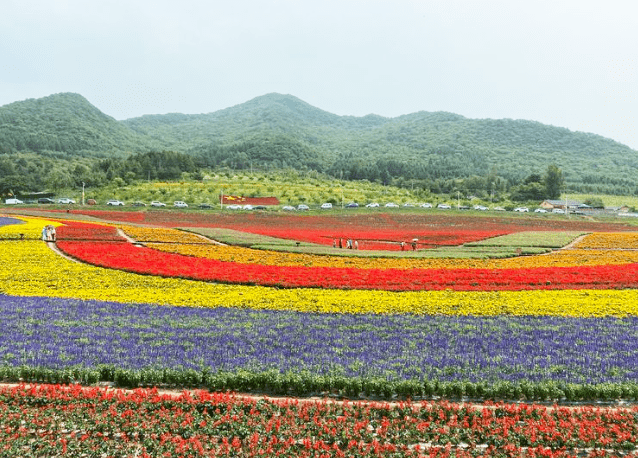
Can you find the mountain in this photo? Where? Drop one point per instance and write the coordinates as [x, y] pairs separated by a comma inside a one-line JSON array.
[[442, 145], [65, 123], [278, 131], [270, 114]]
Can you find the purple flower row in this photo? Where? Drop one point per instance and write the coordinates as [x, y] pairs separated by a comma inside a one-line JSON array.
[[6, 221], [60, 333]]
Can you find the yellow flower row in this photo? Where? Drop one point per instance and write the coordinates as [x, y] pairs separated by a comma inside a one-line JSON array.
[[30, 268], [610, 240], [163, 235]]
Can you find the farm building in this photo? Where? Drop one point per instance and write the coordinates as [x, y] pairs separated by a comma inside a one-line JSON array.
[[564, 204]]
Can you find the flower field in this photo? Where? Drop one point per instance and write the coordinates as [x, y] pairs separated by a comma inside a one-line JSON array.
[[57, 421], [182, 311], [530, 274], [143, 341], [135, 259], [378, 231], [29, 268]]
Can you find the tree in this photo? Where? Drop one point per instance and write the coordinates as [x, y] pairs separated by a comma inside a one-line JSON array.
[[595, 202], [57, 180], [531, 191], [554, 181], [534, 178], [13, 184]]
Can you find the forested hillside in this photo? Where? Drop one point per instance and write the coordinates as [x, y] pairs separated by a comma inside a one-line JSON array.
[[442, 152], [64, 123]]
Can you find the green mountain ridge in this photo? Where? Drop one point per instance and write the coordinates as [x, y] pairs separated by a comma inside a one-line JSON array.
[[278, 131], [65, 123]]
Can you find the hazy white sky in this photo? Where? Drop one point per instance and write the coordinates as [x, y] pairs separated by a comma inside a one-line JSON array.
[[567, 63]]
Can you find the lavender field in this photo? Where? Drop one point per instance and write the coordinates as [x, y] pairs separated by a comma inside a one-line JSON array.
[[65, 333]]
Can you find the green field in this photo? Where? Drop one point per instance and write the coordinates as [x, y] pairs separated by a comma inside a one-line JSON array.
[[529, 240]]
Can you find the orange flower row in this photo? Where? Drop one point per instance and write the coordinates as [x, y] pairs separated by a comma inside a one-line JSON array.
[[610, 240]]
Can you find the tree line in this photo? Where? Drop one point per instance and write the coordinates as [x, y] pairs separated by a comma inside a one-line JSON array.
[[24, 173]]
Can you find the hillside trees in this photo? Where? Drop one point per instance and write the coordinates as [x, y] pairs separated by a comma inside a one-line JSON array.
[[13, 184], [20, 173], [164, 165], [32, 173], [263, 151]]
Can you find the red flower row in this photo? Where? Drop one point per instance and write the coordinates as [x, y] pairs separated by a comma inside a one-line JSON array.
[[124, 256], [86, 231], [51, 420]]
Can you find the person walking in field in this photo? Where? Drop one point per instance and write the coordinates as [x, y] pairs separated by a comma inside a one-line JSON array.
[[356, 245], [44, 234]]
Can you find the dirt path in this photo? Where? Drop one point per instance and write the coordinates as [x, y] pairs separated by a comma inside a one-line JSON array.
[[130, 240], [56, 250], [573, 243]]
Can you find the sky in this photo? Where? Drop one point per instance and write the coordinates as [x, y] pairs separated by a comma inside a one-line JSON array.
[[567, 63]]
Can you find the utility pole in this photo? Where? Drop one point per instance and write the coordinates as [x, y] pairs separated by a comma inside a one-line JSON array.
[[83, 193]]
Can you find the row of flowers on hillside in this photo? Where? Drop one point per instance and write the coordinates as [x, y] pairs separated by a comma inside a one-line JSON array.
[[30, 268], [389, 228], [181, 242], [143, 260]]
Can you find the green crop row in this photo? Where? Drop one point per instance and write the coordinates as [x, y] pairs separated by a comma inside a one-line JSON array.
[[544, 239], [307, 384]]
